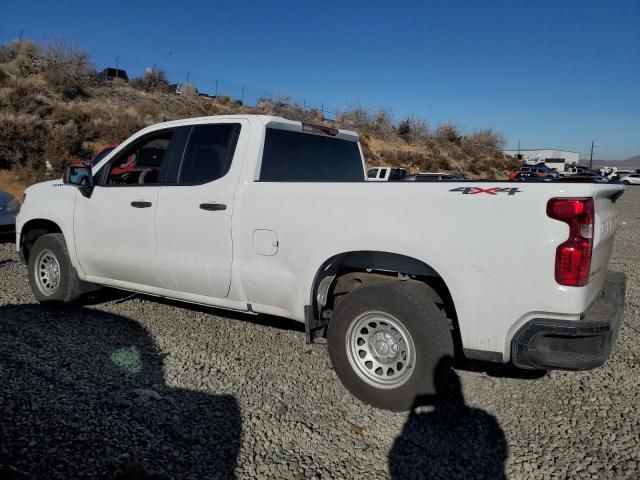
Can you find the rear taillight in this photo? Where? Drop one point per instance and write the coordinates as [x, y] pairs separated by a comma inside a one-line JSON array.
[[573, 257]]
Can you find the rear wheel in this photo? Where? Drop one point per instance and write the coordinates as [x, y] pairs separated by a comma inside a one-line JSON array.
[[385, 341], [51, 275]]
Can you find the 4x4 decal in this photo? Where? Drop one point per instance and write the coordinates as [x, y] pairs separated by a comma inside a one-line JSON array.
[[490, 191]]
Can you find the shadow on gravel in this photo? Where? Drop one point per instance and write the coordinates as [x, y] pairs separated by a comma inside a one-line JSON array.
[[498, 370], [444, 438], [279, 323], [7, 238], [82, 395]]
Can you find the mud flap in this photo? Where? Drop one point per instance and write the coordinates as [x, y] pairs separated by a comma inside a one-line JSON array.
[[313, 327]]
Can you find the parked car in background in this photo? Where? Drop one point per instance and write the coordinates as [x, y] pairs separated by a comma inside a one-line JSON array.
[[619, 174], [633, 179], [386, 174], [9, 208], [183, 87], [594, 177], [541, 171], [529, 177], [576, 169], [432, 177], [110, 74]]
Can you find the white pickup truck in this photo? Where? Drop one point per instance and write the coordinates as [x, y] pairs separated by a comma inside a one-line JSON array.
[[265, 215]]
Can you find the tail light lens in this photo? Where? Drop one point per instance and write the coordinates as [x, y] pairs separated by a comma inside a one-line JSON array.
[[573, 257]]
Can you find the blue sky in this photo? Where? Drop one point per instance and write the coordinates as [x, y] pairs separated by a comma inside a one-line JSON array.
[[555, 73]]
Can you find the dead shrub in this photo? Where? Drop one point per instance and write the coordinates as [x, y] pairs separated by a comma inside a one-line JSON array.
[[403, 130], [379, 123], [356, 118], [152, 81], [447, 132], [67, 69], [28, 142], [485, 141], [413, 130], [223, 100], [65, 82], [25, 95], [407, 159], [25, 58]]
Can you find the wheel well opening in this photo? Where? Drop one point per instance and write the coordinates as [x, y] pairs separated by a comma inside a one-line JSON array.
[[344, 273], [34, 229]]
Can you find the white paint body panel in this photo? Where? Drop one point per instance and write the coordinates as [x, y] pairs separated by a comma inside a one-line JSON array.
[[114, 239], [496, 253]]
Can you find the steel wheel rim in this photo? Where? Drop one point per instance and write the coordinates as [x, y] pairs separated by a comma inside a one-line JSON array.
[[47, 272], [380, 350]]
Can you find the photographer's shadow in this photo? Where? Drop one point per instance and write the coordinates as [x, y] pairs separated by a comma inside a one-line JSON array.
[[83, 396], [443, 438]]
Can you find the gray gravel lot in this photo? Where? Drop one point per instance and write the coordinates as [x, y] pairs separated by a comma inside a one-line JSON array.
[[128, 386]]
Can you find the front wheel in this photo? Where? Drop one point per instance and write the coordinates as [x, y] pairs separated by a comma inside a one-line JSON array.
[[385, 341], [51, 275], [627, 182]]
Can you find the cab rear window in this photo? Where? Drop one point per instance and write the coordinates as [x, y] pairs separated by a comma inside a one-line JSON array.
[[290, 156]]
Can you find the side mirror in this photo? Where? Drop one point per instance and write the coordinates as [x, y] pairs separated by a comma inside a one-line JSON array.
[[81, 177]]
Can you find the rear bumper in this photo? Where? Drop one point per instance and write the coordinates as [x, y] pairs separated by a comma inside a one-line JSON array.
[[574, 345]]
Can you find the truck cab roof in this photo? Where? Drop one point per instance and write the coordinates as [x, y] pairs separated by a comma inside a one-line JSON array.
[[268, 121]]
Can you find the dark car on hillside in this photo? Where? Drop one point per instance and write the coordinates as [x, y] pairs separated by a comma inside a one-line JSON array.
[[110, 74]]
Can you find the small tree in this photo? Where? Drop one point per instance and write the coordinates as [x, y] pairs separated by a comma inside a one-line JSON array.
[[403, 130]]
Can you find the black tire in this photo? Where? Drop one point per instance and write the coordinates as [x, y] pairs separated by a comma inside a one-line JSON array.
[[426, 325], [69, 286], [627, 182]]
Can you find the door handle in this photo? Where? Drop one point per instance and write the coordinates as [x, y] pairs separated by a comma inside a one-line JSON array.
[[140, 204], [213, 207]]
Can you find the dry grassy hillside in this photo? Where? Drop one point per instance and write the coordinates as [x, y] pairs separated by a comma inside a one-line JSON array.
[[53, 110]]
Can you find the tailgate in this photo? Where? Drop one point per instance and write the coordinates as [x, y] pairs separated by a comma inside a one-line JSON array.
[[606, 224]]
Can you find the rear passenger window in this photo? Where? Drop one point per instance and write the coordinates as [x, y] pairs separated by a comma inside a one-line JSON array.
[[291, 156], [209, 153]]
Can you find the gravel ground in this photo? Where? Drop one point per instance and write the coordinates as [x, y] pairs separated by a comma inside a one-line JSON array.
[[128, 386]]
